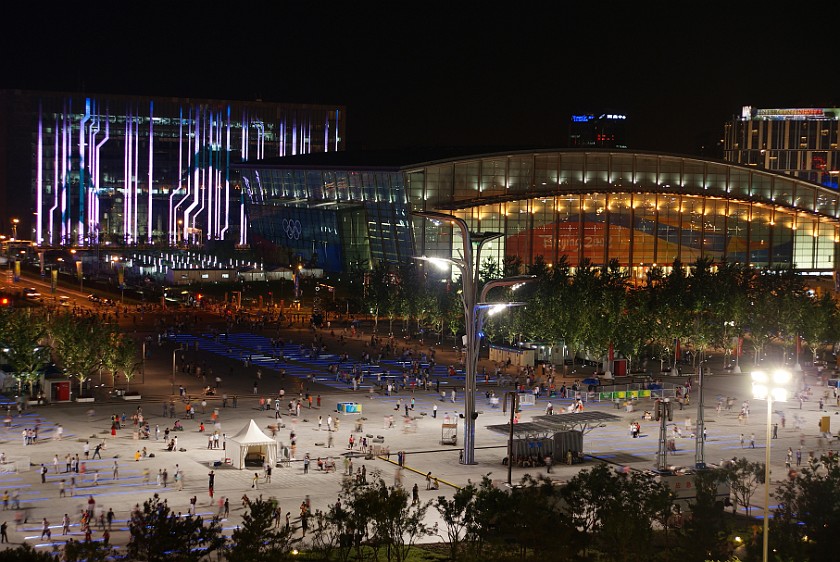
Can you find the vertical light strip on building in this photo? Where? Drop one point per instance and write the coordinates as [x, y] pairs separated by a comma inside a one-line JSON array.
[[135, 171], [337, 114], [194, 165], [99, 146], [80, 221], [227, 175], [51, 224], [127, 181], [64, 168], [210, 175], [173, 211], [151, 170], [39, 179]]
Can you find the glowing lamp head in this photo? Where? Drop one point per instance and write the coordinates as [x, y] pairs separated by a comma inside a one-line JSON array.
[[770, 386], [439, 263]]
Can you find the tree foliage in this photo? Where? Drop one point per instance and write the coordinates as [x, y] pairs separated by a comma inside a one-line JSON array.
[[157, 534], [258, 538]]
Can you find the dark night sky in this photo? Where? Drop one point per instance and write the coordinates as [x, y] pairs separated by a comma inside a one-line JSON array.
[[432, 75]]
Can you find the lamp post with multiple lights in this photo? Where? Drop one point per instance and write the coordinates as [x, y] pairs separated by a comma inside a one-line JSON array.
[[770, 388], [474, 309]]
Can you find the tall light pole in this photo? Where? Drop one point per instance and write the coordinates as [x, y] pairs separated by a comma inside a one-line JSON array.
[[769, 388], [14, 228], [174, 351], [474, 306]]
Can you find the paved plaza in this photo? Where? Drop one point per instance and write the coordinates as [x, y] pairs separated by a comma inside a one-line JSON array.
[[225, 357]]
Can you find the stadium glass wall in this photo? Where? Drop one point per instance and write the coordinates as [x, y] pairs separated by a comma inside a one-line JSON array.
[[643, 209]]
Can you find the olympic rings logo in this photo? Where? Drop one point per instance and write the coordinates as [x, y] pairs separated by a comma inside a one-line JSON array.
[[292, 229]]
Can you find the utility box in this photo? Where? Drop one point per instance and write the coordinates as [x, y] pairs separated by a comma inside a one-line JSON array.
[[825, 424]]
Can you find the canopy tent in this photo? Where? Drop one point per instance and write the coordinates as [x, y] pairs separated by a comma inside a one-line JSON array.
[[251, 445]]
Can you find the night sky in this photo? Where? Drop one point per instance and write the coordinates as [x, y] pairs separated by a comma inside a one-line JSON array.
[[433, 75]]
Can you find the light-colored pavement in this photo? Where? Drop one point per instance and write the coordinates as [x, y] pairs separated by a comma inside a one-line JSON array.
[[290, 485]]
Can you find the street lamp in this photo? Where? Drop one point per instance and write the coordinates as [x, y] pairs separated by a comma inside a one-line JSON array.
[[474, 308], [174, 351], [14, 228], [769, 388]]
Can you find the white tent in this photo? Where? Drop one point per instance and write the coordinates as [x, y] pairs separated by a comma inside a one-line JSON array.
[[251, 444]]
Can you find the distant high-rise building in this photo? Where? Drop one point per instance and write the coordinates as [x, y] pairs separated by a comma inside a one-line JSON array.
[[606, 130], [800, 142], [89, 169]]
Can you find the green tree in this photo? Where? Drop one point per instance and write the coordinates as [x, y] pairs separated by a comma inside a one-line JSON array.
[[125, 358], [157, 535], [539, 521], [83, 551], [820, 323], [257, 539], [80, 345], [26, 553], [744, 478], [457, 515], [397, 522], [804, 524], [706, 532], [22, 335]]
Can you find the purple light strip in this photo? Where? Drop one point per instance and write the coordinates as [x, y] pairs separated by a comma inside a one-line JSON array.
[[227, 175], [99, 146], [127, 181], [39, 180], [195, 125], [135, 233], [173, 234], [151, 170], [51, 224], [80, 220]]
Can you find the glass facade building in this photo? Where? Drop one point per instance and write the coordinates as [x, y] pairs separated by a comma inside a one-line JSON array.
[[90, 169], [642, 209], [800, 142], [335, 218]]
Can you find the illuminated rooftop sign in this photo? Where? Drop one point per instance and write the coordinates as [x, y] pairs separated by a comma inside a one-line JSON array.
[[792, 114]]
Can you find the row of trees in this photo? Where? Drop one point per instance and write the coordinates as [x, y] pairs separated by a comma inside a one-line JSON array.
[[598, 515], [31, 339], [702, 306]]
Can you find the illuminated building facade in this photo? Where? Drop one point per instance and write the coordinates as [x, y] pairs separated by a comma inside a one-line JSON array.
[[642, 209], [86, 170], [799, 142]]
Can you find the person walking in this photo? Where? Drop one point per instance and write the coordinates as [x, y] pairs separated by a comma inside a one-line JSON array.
[[211, 483], [775, 431], [799, 456], [116, 471], [4, 536], [453, 395], [255, 481], [415, 495], [45, 529], [742, 440], [434, 410], [752, 440]]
